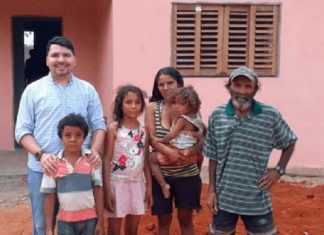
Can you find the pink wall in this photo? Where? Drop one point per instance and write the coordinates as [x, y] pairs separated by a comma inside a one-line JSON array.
[[104, 84], [6, 87], [142, 43], [122, 42], [141, 40]]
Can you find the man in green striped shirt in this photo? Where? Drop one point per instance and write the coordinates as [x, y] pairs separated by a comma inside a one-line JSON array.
[[241, 135]]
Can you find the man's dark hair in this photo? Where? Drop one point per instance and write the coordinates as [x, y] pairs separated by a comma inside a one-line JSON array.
[[76, 120], [61, 41]]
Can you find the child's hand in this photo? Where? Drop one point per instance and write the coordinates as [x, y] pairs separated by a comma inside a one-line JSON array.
[[49, 232], [100, 230], [110, 202], [148, 199], [106, 203], [197, 134]]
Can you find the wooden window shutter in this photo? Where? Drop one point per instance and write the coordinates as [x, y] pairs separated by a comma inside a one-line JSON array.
[[184, 41], [264, 57], [197, 39], [211, 40], [214, 39], [236, 37]]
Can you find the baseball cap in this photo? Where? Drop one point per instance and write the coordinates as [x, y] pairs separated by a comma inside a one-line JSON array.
[[243, 71]]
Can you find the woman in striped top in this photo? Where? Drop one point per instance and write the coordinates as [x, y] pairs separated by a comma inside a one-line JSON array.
[[182, 175]]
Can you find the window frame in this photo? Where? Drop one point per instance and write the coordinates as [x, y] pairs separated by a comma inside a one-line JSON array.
[[205, 43]]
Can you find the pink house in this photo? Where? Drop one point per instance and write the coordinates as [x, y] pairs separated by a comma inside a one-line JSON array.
[[127, 41]]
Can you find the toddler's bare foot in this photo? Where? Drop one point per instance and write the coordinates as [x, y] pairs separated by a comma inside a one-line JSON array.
[[166, 191]]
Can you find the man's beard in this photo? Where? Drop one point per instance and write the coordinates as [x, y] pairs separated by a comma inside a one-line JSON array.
[[241, 102]]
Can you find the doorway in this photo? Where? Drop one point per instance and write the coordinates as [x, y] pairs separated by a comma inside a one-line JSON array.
[[30, 33]]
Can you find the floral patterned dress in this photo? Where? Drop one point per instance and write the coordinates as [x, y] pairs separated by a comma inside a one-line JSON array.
[[127, 177]]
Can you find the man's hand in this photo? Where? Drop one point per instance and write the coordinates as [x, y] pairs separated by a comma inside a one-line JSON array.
[[49, 163], [212, 202], [94, 159], [269, 179]]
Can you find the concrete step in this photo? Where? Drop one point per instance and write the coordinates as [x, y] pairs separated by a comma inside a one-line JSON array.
[[13, 163]]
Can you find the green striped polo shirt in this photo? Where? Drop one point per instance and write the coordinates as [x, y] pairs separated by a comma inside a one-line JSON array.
[[241, 147]]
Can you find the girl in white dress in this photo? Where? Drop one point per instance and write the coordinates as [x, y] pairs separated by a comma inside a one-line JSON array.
[[127, 176]]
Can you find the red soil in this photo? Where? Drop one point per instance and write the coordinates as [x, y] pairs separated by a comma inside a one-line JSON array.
[[297, 210]]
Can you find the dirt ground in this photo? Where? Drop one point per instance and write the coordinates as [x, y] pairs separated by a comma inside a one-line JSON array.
[[298, 209]]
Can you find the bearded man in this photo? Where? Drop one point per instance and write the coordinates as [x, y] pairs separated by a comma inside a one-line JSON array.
[[241, 135]]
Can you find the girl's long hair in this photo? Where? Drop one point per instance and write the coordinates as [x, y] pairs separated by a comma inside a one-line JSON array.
[[122, 91]]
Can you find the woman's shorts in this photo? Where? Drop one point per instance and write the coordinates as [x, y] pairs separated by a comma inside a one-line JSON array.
[[185, 193]]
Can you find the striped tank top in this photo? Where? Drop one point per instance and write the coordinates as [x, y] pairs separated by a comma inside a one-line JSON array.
[[160, 132]]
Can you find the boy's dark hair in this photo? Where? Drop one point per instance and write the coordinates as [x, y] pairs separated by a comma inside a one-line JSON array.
[[61, 41], [118, 102], [187, 95], [172, 72], [76, 120]]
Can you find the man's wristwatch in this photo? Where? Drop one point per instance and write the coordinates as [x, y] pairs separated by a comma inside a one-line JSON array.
[[38, 155], [280, 170]]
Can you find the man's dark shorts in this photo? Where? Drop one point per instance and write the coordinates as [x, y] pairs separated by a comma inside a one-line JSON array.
[[225, 223], [185, 192]]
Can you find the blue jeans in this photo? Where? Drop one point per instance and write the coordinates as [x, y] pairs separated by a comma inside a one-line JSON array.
[[37, 202], [85, 227]]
